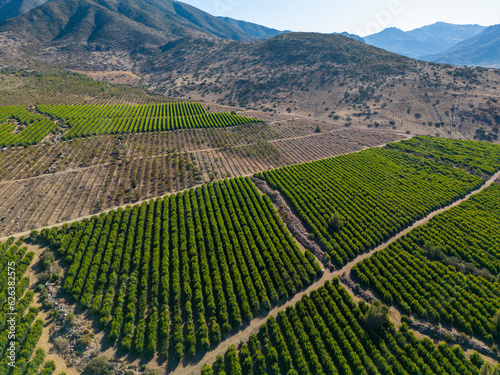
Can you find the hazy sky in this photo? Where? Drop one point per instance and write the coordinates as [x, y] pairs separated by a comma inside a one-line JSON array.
[[361, 17]]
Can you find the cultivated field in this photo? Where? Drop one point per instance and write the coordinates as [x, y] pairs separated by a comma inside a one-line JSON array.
[[376, 193], [176, 282], [59, 181], [447, 270]]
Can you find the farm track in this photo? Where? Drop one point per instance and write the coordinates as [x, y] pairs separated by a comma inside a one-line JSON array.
[[65, 195], [253, 327]]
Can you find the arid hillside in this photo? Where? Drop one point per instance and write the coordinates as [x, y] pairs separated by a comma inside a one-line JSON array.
[[332, 78]]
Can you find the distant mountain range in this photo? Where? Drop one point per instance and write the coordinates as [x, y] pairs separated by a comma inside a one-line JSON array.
[[471, 45], [107, 23], [253, 29], [14, 8], [352, 36], [480, 50], [424, 41]]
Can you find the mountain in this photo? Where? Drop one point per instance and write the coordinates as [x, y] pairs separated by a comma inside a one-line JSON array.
[[117, 23], [182, 52], [424, 41], [253, 29], [480, 50], [287, 65], [13, 8], [352, 36]]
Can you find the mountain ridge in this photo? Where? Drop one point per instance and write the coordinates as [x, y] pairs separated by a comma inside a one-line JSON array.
[[426, 40], [13, 8], [481, 50], [118, 23], [253, 29]]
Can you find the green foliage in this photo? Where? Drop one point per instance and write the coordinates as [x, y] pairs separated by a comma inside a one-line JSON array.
[[33, 127], [133, 183], [436, 287], [487, 369], [46, 259], [87, 120], [335, 222], [376, 192], [177, 274], [469, 155], [14, 261], [323, 334], [48, 368], [434, 252], [496, 320], [33, 235], [98, 366], [376, 318]]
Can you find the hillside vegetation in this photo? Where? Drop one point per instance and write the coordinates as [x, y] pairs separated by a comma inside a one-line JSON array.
[[182, 52]]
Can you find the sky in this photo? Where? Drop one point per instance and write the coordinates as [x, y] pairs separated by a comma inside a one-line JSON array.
[[361, 17]]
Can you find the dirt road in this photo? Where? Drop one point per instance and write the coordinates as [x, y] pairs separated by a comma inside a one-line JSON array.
[[254, 325]]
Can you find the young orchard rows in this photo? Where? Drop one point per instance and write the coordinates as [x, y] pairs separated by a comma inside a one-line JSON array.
[[175, 275], [87, 120], [34, 127]]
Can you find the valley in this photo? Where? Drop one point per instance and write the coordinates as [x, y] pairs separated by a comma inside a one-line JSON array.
[[189, 194]]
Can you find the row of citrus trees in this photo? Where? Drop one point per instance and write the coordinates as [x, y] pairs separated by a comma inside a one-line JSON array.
[[374, 194], [326, 333], [175, 275], [90, 120], [478, 222], [174, 109], [426, 279], [35, 127], [471, 155], [15, 301]]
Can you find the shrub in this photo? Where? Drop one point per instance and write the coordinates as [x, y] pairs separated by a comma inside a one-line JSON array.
[[99, 366], [336, 223], [46, 259], [61, 344], [376, 318]]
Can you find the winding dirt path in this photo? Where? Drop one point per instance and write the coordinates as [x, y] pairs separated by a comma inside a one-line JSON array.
[[253, 327]]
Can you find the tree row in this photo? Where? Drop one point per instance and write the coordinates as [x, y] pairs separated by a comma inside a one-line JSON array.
[[176, 275], [326, 333], [352, 203]]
